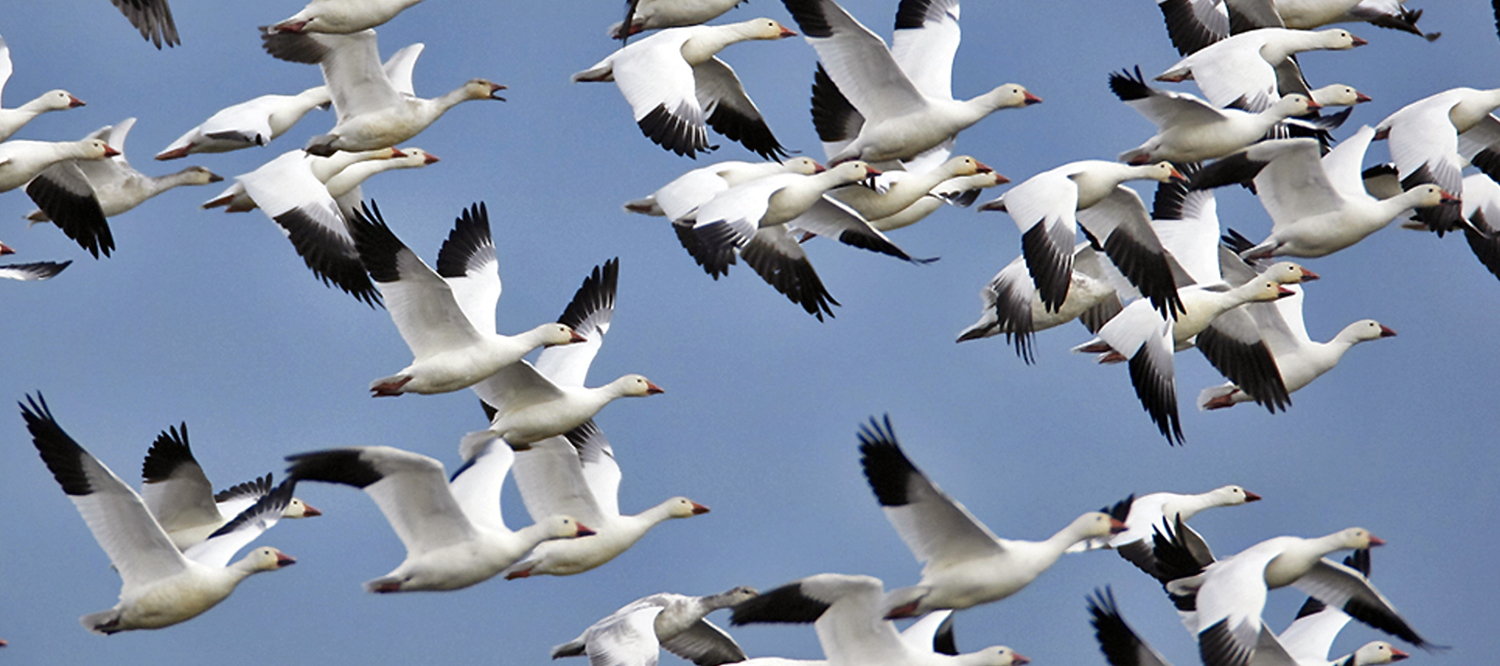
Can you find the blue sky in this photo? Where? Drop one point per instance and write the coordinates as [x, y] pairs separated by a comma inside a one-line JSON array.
[[212, 319]]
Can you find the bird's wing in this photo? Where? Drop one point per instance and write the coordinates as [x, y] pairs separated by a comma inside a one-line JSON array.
[[399, 66], [219, 547], [588, 314], [600, 471], [730, 111], [477, 484], [419, 300], [39, 270], [176, 490], [516, 385], [1120, 222], [857, 61], [467, 263], [1347, 589], [409, 488], [550, 478], [705, 644], [937, 528], [357, 82], [63, 192], [924, 44], [122, 525]]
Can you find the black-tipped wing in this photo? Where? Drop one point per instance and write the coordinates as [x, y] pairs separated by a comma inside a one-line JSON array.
[[730, 111], [153, 18], [933, 525], [176, 490], [589, 315], [65, 195], [1232, 344], [40, 270], [777, 258], [1119, 643]]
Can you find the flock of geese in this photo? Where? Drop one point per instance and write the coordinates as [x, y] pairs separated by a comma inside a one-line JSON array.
[[1147, 282]]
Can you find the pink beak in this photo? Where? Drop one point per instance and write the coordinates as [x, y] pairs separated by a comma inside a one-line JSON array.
[[787, 33], [109, 151], [284, 560], [1283, 292], [1115, 526], [6, 249], [1018, 659], [1177, 175], [1386, 332], [818, 168], [1313, 106], [584, 531], [1448, 197], [74, 102], [430, 159], [1358, 41], [1308, 276], [981, 167], [1360, 98], [576, 337], [1251, 497], [699, 509], [652, 389], [1032, 99], [309, 511], [1397, 655], [396, 152], [1376, 541]]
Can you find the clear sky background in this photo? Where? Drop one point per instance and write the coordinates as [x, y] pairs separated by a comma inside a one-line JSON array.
[[212, 319]]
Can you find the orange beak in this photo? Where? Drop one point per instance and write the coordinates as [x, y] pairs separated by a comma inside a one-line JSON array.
[[1308, 276], [1376, 541], [1115, 526], [981, 167], [1283, 292], [309, 511], [584, 531], [430, 159], [652, 389], [109, 151], [74, 102], [1313, 106], [787, 33], [1177, 175], [575, 337], [699, 509]]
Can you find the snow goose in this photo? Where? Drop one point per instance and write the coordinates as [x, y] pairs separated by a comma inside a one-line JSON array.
[[643, 15], [635, 633], [12, 120], [964, 563], [179, 496], [1305, 15], [1310, 636], [1192, 130], [373, 111], [902, 95], [1242, 70], [757, 217], [153, 18], [251, 123], [678, 199], [1433, 138], [234, 199], [1338, 94], [577, 474], [39, 270], [1230, 593], [529, 403], [340, 16], [1011, 304], [446, 317], [961, 191], [1298, 358], [1143, 514], [677, 87], [21, 161], [289, 190], [161, 586], [1049, 207], [894, 191], [453, 530], [846, 612], [1318, 204], [111, 185]]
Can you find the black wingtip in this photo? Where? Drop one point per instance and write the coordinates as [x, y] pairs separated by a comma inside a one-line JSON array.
[[885, 465], [170, 450]]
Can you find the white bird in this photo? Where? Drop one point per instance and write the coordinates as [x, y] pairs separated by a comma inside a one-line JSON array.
[[1318, 204], [1242, 70], [184, 503], [677, 87], [373, 112], [1434, 138], [1298, 358], [234, 199], [110, 185], [681, 197], [153, 18], [39, 270], [340, 16], [846, 612], [964, 563], [21, 161], [1229, 594], [577, 474], [1010, 303], [1049, 207], [1192, 130], [447, 316], [635, 634], [161, 586], [903, 94], [1194, 24], [643, 15], [757, 218], [1142, 515], [962, 191], [250, 123], [532, 403], [1482, 204], [895, 190], [1309, 638], [453, 530], [12, 120], [290, 191]]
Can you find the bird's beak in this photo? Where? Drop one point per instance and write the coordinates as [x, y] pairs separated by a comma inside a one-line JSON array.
[[1177, 175], [284, 560], [584, 531], [1313, 105], [1309, 276], [1031, 99], [1376, 541], [430, 159], [109, 151], [981, 167], [214, 178], [1386, 332], [74, 102], [1017, 659], [1115, 526], [575, 337], [1251, 497], [1397, 655], [699, 509], [1283, 292], [495, 89], [652, 389], [310, 511], [1449, 198], [1358, 41], [787, 33], [1361, 98]]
